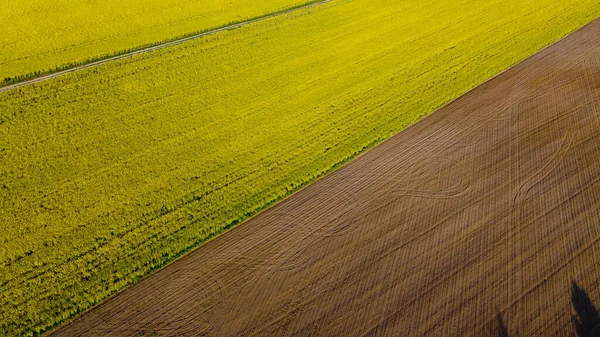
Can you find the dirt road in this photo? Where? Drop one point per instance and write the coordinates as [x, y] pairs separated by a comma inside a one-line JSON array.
[[157, 46], [483, 219]]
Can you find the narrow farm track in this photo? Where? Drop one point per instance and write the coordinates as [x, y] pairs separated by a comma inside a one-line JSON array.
[[483, 219], [158, 46]]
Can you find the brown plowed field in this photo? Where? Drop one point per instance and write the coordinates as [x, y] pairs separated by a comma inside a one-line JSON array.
[[482, 219]]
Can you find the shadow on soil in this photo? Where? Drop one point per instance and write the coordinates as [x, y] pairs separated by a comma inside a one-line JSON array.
[[586, 322], [502, 331]]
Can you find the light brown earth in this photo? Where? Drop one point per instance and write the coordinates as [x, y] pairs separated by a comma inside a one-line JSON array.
[[475, 221]]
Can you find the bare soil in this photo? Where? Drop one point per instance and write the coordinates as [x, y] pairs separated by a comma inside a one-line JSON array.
[[482, 219]]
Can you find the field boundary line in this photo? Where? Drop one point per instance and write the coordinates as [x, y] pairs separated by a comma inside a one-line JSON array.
[[96, 61]]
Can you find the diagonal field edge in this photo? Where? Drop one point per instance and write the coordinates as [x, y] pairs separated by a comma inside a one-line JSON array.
[[450, 102]]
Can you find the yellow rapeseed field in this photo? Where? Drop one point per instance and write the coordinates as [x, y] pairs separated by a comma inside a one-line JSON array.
[[109, 173], [38, 36]]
